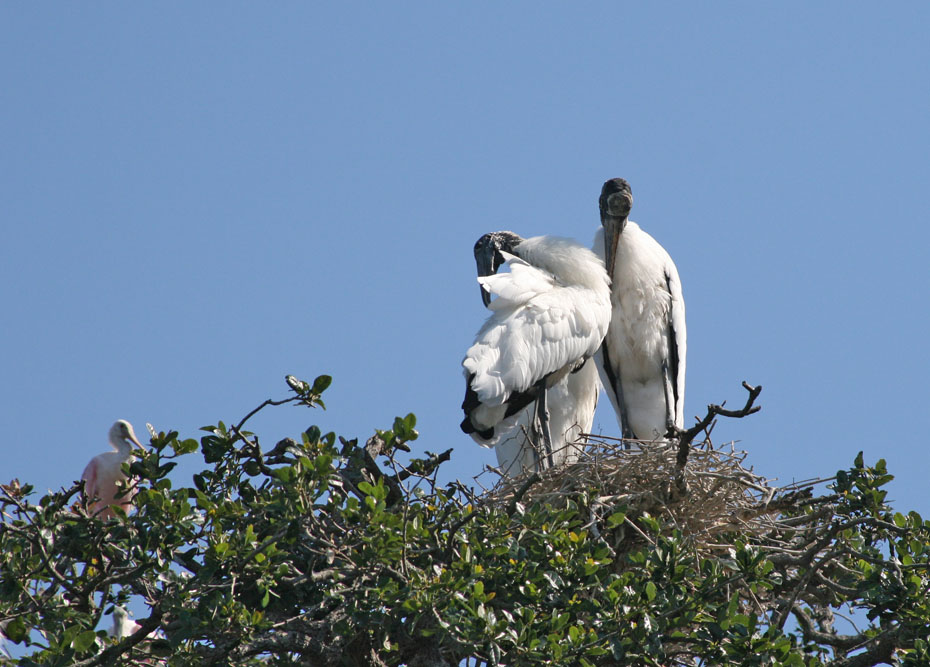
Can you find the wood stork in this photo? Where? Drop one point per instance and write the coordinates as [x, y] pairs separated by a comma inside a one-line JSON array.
[[104, 472], [527, 376], [642, 360]]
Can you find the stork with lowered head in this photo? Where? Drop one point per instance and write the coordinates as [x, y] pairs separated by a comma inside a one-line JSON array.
[[531, 387]]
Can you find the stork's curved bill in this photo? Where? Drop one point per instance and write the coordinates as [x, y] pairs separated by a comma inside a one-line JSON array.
[[642, 360], [549, 315]]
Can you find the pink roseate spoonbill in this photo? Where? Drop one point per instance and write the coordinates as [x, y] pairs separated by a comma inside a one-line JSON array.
[[529, 390], [642, 360], [104, 472]]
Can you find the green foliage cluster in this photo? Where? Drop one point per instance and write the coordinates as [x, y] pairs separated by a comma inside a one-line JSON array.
[[325, 551]]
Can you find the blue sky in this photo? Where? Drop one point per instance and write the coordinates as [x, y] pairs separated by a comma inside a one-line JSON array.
[[201, 198]]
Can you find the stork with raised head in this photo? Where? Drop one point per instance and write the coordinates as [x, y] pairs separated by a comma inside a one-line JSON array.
[[104, 472], [529, 391], [642, 360]]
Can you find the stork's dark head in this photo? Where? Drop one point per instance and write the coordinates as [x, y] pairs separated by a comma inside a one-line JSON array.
[[488, 255], [616, 200]]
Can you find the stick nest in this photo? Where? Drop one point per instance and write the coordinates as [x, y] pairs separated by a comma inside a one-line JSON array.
[[711, 495]]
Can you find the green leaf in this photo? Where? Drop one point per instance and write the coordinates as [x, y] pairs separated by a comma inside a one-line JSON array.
[[187, 446], [165, 469], [882, 480], [733, 606], [321, 384], [84, 641], [15, 630], [650, 591]]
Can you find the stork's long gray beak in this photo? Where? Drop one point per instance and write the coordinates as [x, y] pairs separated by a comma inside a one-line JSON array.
[[613, 217], [612, 229], [488, 259], [485, 296]]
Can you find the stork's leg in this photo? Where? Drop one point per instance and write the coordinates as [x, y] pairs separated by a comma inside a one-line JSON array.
[[542, 439], [531, 439], [613, 375], [669, 399], [626, 431]]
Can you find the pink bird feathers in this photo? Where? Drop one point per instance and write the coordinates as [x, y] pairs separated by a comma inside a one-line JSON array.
[[104, 473]]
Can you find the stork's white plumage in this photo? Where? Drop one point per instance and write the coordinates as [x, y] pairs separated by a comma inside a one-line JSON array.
[[571, 402], [642, 361], [104, 472], [550, 314]]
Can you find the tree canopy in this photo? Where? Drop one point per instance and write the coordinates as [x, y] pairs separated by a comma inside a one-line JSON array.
[[322, 550]]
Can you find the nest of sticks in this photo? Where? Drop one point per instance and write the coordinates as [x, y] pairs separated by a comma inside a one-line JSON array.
[[713, 494], [704, 491]]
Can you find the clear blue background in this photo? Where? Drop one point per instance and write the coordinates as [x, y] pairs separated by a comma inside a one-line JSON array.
[[200, 198]]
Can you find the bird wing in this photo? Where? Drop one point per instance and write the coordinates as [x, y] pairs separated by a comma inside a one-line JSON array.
[[90, 479], [677, 341], [537, 327]]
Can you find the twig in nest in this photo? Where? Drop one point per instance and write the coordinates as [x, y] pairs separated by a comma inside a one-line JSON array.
[[531, 480], [685, 438]]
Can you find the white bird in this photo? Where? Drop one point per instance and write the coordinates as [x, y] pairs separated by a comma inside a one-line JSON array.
[[123, 626], [104, 472], [642, 360], [529, 391]]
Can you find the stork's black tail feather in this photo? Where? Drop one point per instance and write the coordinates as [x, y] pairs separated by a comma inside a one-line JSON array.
[[516, 402]]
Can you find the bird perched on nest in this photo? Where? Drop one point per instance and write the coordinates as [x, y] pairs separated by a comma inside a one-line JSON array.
[[529, 389], [642, 360], [104, 472]]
